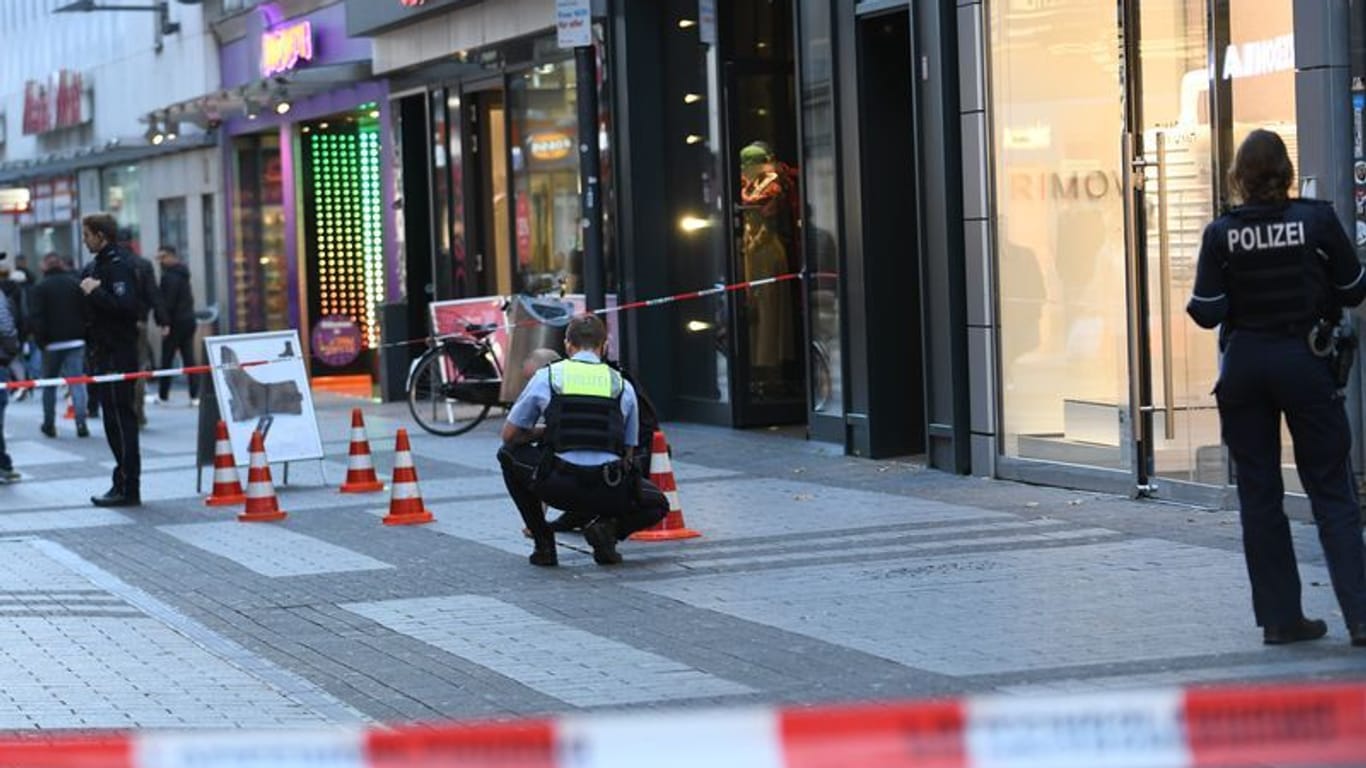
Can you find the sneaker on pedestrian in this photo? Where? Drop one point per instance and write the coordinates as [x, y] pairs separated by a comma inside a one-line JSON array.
[[82, 431], [8, 476], [48, 429]]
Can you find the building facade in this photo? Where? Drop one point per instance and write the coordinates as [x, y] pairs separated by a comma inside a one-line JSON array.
[[968, 257], [74, 131]]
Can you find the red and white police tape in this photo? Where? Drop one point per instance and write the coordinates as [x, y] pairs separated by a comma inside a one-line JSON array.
[[193, 370], [1283, 725]]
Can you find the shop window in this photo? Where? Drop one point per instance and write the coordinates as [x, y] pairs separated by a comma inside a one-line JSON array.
[[210, 268], [820, 219], [120, 190], [545, 170], [172, 227], [259, 271]]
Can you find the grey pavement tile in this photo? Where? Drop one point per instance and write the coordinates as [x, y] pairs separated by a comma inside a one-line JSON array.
[[35, 454], [518, 644], [54, 520], [271, 550], [1007, 611]]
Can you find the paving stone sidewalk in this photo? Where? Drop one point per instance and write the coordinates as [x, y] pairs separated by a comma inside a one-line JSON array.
[[818, 578]]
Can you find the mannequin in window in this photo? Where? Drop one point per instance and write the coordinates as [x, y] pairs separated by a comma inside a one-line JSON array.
[[767, 195]]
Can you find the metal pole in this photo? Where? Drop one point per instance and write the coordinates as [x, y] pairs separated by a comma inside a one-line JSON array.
[[594, 277]]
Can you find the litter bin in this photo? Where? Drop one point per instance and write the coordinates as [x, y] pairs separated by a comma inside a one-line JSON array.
[[537, 322]]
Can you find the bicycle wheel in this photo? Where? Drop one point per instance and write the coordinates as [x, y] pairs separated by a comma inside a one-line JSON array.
[[430, 400]]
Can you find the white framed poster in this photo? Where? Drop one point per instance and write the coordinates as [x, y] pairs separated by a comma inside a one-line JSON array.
[[274, 398]]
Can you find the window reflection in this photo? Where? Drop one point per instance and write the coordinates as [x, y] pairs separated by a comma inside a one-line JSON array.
[[820, 218], [545, 168]]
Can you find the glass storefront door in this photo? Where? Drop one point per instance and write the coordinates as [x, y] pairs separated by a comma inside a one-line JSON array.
[[1170, 173], [761, 115], [1102, 193]]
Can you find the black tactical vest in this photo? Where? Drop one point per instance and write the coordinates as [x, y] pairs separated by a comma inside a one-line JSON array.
[[585, 418], [1277, 279]]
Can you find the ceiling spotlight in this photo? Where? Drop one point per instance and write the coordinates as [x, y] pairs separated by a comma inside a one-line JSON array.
[[153, 134], [686, 23], [282, 108], [172, 130], [251, 109], [691, 98]]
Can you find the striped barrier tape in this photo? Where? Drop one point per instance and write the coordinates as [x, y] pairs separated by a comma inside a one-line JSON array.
[[194, 370], [1286, 725]]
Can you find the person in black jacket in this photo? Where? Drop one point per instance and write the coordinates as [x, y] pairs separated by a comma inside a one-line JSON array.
[[149, 300], [1276, 273], [111, 311], [178, 299], [57, 319]]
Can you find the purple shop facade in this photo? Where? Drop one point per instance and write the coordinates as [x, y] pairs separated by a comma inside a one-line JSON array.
[[328, 46]]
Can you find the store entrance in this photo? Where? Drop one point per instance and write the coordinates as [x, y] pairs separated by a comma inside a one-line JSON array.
[[769, 385], [891, 256], [490, 244]]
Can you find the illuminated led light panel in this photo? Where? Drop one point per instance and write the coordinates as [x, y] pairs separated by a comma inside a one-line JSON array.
[[349, 227]]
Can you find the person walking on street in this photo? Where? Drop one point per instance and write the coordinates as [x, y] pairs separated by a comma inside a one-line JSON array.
[[580, 461], [57, 317], [9, 348], [1276, 273], [111, 311], [178, 299], [14, 285]]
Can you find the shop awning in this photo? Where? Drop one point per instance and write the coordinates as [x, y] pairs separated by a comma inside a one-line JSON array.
[[115, 152], [212, 109]]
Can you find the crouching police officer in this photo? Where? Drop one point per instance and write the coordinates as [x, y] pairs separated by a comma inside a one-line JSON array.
[[1276, 273], [580, 460]]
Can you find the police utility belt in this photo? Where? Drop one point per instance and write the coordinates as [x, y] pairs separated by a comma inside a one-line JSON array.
[[609, 475], [1338, 343]]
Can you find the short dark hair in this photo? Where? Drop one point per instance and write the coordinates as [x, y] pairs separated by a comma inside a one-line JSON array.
[[586, 332], [168, 250], [102, 224], [1262, 171]]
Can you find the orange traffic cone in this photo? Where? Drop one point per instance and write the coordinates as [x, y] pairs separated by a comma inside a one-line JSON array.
[[405, 501], [262, 506], [360, 468], [70, 411], [662, 475], [227, 488]]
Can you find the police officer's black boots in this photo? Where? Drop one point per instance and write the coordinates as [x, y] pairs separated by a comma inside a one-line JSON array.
[[544, 554], [1304, 629], [602, 536]]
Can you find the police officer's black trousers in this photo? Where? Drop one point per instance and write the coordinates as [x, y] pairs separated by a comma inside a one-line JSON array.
[[1263, 376], [582, 493], [121, 427]]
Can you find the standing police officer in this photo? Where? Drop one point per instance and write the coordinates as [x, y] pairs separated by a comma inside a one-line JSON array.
[[1276, 273], [111, 310], [580, 461]]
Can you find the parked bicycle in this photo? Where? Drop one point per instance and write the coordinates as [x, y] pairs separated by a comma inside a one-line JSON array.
[[456, 382]]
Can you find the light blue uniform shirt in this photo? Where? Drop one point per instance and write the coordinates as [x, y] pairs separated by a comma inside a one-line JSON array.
[[531, 404]]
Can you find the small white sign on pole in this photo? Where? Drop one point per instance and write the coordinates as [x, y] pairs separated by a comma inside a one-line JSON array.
[[574, 22]]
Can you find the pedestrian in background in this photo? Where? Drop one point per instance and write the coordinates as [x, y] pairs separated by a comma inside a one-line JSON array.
[[57, 316], [110, 285], [1277, 273], [178, 298], [9, 348], [14, 286], [149, 300]]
